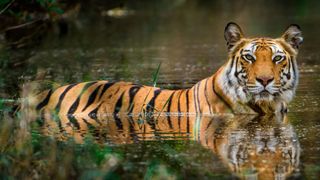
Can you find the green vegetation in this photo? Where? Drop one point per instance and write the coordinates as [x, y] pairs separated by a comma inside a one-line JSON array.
[[19, 8], [27, 154]]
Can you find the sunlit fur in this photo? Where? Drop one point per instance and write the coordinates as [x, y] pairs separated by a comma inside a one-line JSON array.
[[237, 87]]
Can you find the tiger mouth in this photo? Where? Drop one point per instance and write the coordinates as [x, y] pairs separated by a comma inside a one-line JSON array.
[[265, 94]]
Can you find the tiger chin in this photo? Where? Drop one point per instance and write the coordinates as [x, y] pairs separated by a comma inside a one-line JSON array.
[[260, 77]]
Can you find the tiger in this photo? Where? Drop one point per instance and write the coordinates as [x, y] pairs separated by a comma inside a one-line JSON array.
[[259, 77]]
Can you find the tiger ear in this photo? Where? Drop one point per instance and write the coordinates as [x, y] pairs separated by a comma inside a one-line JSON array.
[[293, 36], [232, 34]]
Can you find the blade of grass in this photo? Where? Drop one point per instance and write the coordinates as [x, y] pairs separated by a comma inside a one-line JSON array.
[[155, 76], [9, 101], [163, 108], [144, 101], [7, 6]]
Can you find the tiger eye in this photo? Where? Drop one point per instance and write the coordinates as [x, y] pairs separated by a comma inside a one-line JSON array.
[[277, 58], [249, 57]]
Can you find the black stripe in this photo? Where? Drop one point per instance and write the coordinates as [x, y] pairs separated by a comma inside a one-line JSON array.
[[208, 125], [257, 47], [150, 105], [105, 88], [236, 73], [93, 114], [256, 108], [289, 72], [294, 70], [73, 121], [170, 101], [132, 93], [206, 95], [179, 110], [92, 129], [60, 126], [62, 96], [187, 99], [55, 118], [116, 92], [118, 104], [45, 101], [133, 134], [150, 109], [179, 97], [87, 86], [188, 123], [289, 62], [221, 98], [92, 97], [168, 110], [75, 105], [198, 98], [232, 62], [230, 69], [288, 75], [293, 66], [89, 125], [117, 110]]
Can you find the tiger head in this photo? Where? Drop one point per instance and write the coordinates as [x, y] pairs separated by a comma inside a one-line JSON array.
[[261, 72]]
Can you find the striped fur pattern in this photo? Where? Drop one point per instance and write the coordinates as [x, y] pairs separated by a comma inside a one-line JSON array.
[[260, 76]]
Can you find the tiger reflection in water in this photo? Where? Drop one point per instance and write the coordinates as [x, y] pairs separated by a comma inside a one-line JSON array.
[[252, 147]]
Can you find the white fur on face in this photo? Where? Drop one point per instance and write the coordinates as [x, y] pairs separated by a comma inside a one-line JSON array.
[[230, 84]]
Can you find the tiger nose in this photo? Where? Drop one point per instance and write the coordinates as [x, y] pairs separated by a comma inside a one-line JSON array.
[[265, 80]]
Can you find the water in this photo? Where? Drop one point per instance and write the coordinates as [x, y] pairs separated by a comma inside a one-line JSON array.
[[186, 37]]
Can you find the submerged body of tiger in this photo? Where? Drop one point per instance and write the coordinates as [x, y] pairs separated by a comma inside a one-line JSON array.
[[260, 76]]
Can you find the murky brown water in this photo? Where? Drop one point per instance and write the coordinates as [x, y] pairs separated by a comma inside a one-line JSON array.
[[186, 37]]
